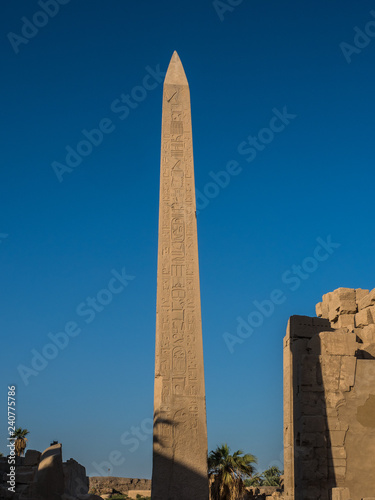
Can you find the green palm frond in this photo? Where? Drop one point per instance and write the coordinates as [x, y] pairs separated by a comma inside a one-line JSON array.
[[20, 440], [230, 471]]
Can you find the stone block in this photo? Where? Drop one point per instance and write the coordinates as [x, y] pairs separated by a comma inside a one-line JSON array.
[[367, 301], [331, 412], [321, 324], [75, 479], [312, 493], [334, 424], [360, 293], [313, 440], [345, 321], [305, 327], [340, 472], [306, 467], [337, 438], [333, 314], [318, 309], [25, 475], [330, 369], [342, 301], [333, 400], [307, 440], [367, 334], [311, 409], [327, 297], [363, 318], [339, 462], [343, 306], [322, 310], [372, 311], [367, 352], [338, 452], [338, 343], [308, 371], [49, 478], [347, 373], [313, 423], [340, 494], [345, 293], [32, 457], [134, 493], [304, 452], [342, 359]]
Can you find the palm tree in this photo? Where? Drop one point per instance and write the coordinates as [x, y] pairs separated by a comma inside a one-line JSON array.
[[20, 443], [255, 480], [272, 476], [229, 471]]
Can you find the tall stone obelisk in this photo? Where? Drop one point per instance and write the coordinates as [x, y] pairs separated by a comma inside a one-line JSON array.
[[180, 428]]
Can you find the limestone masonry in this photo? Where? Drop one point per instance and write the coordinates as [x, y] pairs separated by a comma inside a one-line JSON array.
[[105, 486], [44, 476], [329, 399], [180, 430]]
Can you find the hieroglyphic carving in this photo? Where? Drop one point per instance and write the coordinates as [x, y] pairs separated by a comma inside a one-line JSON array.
[[179, 361], [180, 428], [178, 384]]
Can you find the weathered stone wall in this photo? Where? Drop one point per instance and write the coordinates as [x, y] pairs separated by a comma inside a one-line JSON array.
[[136, 493], [132, 487], [329, 398], [263, 493], [107, 485], [43, 476]]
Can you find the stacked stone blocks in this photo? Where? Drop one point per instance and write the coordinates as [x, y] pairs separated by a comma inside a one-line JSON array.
[[329, 399]]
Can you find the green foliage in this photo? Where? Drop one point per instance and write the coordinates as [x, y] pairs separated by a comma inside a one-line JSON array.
[[255, 480], [270, 477], [229, 471], [20, 442], [1, 455]]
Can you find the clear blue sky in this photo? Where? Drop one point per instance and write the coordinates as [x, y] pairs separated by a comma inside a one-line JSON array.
[[61, 243]]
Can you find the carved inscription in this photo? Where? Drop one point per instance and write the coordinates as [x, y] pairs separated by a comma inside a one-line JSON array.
[[179, 394]]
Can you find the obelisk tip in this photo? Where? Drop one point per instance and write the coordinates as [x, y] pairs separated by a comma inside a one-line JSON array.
[[175, 73]]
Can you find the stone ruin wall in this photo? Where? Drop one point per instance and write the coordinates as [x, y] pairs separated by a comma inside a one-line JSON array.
[[101, 485], [329, 399], [43, 476]]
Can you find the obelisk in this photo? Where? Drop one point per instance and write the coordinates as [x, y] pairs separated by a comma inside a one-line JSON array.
[[180, 428]]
